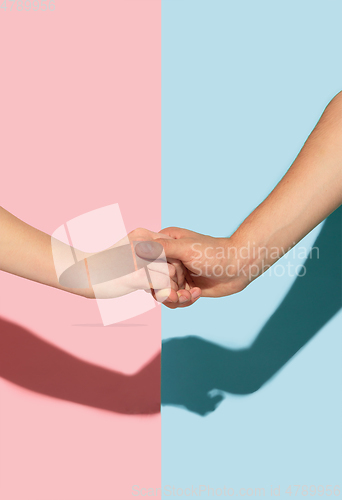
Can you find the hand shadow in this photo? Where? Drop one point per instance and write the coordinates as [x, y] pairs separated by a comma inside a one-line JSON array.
[[193, 369], [196, 372]]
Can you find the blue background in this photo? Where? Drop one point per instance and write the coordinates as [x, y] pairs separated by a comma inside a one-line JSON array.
[[243, 85]]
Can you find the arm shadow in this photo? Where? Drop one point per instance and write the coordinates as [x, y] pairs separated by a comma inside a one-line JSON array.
[[192, 368], [34, 364], [196, 373]]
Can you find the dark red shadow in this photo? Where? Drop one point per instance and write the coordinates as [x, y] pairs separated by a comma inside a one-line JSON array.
[[34, 364]]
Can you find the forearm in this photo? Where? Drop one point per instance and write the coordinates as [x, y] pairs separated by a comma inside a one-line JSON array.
[[116, 271], [25, 251], [306, 195]]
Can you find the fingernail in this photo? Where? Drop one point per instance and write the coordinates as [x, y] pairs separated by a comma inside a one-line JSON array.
[[183, 299], [145, 247], [196, 294], [163, 295]]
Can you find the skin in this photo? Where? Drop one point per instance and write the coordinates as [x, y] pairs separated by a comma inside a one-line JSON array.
[[26, 252], [309, 191]]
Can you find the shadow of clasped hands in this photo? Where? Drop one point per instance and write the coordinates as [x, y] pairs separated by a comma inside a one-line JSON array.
[[195, 372]]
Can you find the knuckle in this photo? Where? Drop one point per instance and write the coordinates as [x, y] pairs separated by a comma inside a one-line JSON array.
[[172, 270], [139, 231]]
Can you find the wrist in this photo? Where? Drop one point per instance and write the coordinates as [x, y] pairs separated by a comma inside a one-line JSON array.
[[237, 264], [229, 265], [257, 248], [247, 257]]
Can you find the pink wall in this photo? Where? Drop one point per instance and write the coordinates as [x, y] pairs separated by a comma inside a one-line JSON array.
[[79, 129]]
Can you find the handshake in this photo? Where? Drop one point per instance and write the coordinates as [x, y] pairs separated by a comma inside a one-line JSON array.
[[176, 266]]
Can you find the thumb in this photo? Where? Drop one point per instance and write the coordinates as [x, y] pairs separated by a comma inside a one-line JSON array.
[[174, 249]]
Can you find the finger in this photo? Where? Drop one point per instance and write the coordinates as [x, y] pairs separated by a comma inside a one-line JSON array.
[[166, 295], [178, 305], [184, 300], [149, 250], [171, 271], [174, 249], [188, 280], [187, 298], [179, 272], [173, 268], [160, 281], [142, 234], [163, 267], [196, 292], [140, 280], [171, 297], [178, 232]]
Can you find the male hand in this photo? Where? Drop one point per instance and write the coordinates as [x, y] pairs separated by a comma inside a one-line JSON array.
[[181, 291], [213, 263]]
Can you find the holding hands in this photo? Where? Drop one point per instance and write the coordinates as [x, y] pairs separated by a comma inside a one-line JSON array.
[[210, 265], [309, 192], [177, 265]]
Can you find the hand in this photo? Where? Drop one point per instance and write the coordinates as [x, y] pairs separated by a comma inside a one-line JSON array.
[[118, 271], [213, 263], [182, 291]]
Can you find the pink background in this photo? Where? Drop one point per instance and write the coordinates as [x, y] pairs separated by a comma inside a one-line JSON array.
[[80, 129]]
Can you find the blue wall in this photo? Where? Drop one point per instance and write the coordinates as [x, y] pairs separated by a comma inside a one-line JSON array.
[[243, 85]]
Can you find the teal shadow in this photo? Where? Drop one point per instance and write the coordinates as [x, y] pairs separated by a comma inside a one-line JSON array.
[[197, 373]]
